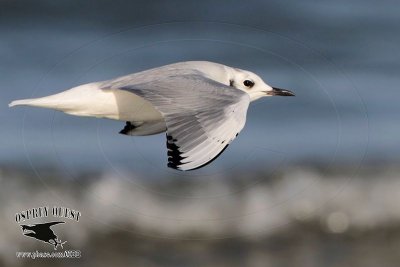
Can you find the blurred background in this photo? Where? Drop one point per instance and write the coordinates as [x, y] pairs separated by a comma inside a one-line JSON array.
[[312, 180]]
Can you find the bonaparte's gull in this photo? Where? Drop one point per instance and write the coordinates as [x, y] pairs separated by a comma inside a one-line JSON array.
[[201, 105]]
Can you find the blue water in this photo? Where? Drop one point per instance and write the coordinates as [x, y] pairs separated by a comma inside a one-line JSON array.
[[341, 60]]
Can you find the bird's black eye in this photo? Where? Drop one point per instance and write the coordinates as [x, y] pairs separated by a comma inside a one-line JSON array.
[[248, 83]]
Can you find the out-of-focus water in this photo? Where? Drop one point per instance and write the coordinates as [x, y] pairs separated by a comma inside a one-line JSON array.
[[341, 59], [301, 217]]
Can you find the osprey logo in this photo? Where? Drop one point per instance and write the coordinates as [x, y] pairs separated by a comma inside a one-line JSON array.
[[36, 224], [43, 232]]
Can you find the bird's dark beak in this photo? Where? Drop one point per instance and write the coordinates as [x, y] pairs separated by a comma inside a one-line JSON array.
[[281, 92]]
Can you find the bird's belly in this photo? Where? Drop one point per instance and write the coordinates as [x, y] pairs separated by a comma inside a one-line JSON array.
[[111, 104]]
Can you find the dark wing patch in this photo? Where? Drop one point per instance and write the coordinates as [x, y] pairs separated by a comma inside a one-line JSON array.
[[174, 154], [128, 128]]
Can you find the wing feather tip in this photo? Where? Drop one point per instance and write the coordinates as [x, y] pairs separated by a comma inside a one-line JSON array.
[[181, 166]]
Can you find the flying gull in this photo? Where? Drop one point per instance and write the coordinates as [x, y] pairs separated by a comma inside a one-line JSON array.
[[200, 105]]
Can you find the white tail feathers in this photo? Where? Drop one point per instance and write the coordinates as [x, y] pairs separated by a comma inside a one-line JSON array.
[[35, 102], [90, 100], [20, 102], [54, 102], [67, 100]]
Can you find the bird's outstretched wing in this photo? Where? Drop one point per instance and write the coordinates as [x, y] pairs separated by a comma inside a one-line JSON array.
[[48, 224], [202, 116]]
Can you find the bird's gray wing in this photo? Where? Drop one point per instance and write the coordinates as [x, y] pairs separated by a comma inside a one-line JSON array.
[[202, 116]]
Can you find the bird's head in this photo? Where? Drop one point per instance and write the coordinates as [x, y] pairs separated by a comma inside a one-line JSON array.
[[244, 80], [253, 85]]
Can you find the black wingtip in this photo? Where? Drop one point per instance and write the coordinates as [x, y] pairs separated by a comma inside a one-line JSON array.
[[174, 154]]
